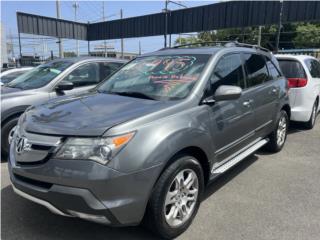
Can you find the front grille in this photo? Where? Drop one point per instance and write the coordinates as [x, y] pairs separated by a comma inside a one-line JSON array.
[[33, 182], [33, 149], [41, 147]]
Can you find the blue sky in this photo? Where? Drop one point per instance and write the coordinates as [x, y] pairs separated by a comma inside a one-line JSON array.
[[88, 11]]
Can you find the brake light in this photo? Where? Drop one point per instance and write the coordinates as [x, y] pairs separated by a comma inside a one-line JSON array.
[[297, 82]]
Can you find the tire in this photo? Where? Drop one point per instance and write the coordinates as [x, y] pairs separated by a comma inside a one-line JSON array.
[[158, 210], [275, 144], [310, 124], [5, 131]]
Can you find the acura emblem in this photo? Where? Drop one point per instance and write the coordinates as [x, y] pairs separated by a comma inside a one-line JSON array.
[[22, 145]]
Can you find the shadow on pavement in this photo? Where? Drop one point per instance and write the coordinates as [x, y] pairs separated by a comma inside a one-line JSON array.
[[22, 219], [296, 127]]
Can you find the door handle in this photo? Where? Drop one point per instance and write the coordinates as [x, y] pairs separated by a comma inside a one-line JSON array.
[[247, 103], [274, 90]]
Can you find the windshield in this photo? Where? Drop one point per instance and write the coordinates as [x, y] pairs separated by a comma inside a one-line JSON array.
[[39, 76], [157, 77]]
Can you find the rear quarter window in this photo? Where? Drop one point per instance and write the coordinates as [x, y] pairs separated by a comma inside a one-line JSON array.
[[313, 67], [292, 68], [273, 70]]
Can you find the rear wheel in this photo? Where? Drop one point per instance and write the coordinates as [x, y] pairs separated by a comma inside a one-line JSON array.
[[176, 198], [278, 137], [6, 136], [310, 124]]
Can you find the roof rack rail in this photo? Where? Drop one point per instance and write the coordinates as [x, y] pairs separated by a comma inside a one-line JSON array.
[[238, 44], [219, 43], [222, 43]]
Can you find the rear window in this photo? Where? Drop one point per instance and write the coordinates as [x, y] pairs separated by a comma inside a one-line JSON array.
[[292, 68]]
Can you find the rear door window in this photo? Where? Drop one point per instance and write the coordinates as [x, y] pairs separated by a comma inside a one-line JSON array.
[[107, 68], [292, 68], [256, 69], [313, 67]]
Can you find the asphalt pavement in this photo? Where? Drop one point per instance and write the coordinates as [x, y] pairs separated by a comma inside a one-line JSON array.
[[266, 196]]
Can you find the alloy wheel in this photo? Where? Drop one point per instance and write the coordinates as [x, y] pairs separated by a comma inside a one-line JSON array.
[[282, 131], [181, 198], [314, 114]]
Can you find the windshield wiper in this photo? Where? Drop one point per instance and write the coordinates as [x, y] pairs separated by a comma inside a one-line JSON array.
[[134, 94]]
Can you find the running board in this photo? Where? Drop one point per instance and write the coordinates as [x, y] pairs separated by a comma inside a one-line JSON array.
[[240, 157]]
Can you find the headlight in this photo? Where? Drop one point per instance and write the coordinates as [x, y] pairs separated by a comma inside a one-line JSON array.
[[101, 150]]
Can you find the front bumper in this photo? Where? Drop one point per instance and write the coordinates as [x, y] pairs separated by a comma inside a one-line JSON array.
[[85, 189]]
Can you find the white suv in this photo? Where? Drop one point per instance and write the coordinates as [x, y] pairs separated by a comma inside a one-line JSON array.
[[303, 74]]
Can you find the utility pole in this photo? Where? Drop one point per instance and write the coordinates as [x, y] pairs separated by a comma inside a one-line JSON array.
[[279, 27], [139, 47], [166, 10], [166, 23], [88, 44], [59, 39], [75, 5], [11, 43], [259, 36], [20, 48], [121, 16], [104, 42]]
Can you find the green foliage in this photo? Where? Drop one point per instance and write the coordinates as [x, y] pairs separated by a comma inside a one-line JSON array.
[[69, 54], [301, 35], [308, 36], [187, 40]]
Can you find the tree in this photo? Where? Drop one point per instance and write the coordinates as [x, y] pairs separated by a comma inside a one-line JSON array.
[[298, 35], [186, 40], [308, 36], [69, 54]]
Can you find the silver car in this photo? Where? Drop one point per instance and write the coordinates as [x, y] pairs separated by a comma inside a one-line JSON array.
[[143, 145], [11, 74], [57, 78]]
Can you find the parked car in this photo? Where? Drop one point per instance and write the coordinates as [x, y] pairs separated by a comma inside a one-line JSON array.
[[47, 81], [10, 74], [145, 143], [303, 74]]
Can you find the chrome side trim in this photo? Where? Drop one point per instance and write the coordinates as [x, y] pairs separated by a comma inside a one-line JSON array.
[[40, 139], [234, 143], [39, 201], [239, 157], [263, 125], [243, 138]]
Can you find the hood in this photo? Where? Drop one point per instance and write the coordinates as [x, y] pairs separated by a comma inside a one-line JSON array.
[[89, 114], [5, 90], [8, 92]]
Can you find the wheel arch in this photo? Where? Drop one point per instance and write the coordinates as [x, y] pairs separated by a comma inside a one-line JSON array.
[[287, 108], [12, 113], [195, 152]]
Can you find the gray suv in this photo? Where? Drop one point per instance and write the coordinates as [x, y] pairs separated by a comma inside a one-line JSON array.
[[54, 79], [143, 145]]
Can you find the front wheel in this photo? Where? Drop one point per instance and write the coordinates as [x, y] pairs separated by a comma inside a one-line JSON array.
[[7, 132], [278, 137], [176, 198]]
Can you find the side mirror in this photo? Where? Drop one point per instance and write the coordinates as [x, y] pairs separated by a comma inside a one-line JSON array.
[[63, 86], [226, 92]]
